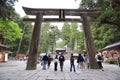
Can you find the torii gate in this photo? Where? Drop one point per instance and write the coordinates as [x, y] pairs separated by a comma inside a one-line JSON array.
[[62, 13]]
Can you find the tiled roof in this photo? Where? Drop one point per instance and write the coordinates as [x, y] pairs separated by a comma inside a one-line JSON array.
[[112, 46]]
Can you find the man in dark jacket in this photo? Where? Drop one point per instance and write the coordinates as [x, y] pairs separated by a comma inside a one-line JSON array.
[[44, 59], [80, 61], [61, 60], [72, 65]]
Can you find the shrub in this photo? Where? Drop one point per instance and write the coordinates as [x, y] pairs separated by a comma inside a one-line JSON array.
[[111, 61]]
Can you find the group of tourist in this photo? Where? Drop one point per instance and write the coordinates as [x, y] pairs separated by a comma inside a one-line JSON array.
[[59, 59], [46, 60], [82, 61]]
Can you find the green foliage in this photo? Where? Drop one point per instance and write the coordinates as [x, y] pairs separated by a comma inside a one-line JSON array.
[[108, 30], [106, 34], [7, 8], [80, 43], [66, 33], [72, 36], [10, 30], [12, 34], [25, 37], [109, 10], [44, 37], [60, 44], [49, 35], [111, 61]]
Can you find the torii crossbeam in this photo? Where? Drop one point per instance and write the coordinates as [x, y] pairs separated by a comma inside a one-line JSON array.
[[61, 13]]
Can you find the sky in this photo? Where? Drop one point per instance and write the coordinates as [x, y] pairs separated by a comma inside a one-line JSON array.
[[60, 4]]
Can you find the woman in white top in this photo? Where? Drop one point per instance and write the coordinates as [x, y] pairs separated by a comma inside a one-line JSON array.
[[56, 62]]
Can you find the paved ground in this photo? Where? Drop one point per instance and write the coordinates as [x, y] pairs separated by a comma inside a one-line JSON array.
[[15, 70]]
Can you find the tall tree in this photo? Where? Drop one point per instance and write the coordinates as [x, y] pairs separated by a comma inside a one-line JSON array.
[[107, 34], [22, 44], [7, 8], [26, 37], [110, 20], [44, 37], [49, 35], [109, 10], [9, 30], [72, 36], [66, 33]]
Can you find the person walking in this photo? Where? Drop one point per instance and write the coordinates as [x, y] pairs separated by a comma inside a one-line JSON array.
[[99, 60], [49, 61], [61, 60], [72, 65], [56, 62], [85, 61], [45, 59], [80, 61]]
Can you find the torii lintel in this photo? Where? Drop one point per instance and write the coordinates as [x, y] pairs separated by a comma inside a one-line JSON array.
[[62, 13]]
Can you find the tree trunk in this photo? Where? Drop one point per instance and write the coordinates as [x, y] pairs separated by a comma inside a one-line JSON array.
[[1, 38], [33, 52], [19, 46], [89, 42]]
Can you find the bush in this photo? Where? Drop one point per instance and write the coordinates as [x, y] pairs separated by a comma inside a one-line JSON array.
[[111, 61]]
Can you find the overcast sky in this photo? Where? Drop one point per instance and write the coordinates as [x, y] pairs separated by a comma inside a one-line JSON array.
[[64, 4]]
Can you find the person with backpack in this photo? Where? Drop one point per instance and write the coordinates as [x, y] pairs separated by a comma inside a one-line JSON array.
[[72, 65], [61, 60], [80, 61], [99, 60], [45, 59]]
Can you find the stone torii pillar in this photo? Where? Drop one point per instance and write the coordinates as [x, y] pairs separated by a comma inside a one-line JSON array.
[[89, 42], [33, 52]]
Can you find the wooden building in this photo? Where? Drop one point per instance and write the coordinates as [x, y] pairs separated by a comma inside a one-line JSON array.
[[4, 53], [112, 50], [60, 50]]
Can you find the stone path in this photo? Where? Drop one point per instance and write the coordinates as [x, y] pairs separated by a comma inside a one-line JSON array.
[[15, 70]]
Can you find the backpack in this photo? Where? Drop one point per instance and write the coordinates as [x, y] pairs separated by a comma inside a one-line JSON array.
[[72, 59], [99, 57], [61, 58]]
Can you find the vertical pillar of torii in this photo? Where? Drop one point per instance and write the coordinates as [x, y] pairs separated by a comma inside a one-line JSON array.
[[33, 51], [89, 42]]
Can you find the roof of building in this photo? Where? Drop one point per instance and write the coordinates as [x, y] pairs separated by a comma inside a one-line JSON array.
[[60, 49], [6, 51], [3, 45], [117, 44]]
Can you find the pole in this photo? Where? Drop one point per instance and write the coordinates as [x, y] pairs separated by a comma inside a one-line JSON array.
[[32, 56], [89, 42]]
